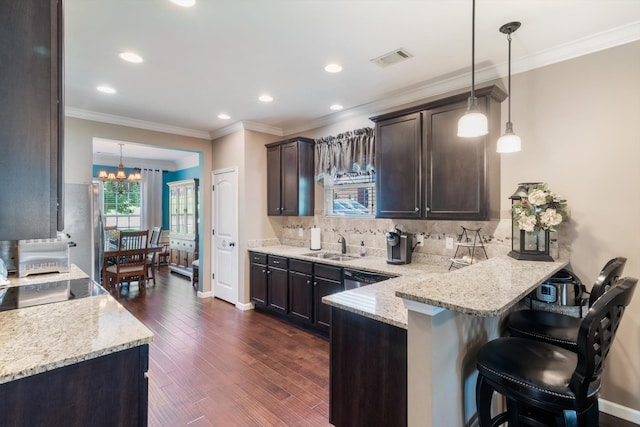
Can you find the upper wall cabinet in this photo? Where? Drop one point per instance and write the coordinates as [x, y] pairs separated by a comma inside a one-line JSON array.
[[290, 177], [31, 118], [424, 170]]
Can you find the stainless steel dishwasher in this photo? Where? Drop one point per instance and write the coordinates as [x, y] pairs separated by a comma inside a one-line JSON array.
[[357, 278]]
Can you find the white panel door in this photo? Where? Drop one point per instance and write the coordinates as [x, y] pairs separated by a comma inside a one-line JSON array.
[[225, 226]]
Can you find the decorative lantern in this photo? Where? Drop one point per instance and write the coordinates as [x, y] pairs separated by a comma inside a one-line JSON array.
[[529, 245]]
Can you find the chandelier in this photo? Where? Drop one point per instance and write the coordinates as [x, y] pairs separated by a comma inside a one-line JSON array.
[[119, 176]]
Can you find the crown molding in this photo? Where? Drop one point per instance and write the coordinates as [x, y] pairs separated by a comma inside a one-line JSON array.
[[134, 123], [245, 125]]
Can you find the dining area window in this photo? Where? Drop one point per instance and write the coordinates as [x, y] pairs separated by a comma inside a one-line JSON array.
[[122, 205]]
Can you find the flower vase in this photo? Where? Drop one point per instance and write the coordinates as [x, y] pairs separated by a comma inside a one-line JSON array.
[[533, 246]]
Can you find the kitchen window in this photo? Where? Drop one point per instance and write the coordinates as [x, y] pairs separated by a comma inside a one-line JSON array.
[[350, 195], [121, 205]]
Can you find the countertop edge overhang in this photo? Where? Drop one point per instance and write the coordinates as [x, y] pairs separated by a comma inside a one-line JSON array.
[[486, 289], [38, 339]]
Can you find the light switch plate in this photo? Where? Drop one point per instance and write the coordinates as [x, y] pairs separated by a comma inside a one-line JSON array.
[[449, 242], [300, 232]]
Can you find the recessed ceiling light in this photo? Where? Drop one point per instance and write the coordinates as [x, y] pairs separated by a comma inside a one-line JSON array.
[[333, 68], [336, 107], [265, 98], [106, 89], [184, 3], [224, 116], [130, 57]]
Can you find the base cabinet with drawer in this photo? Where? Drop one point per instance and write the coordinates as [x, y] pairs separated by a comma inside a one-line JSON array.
[[326, 281], [278, 284], [301, 290], [258, 279]]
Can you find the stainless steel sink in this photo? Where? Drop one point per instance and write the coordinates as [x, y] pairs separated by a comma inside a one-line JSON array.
[[330, 256]]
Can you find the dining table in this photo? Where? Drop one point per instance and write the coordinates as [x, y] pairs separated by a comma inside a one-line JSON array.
[[111, 252]]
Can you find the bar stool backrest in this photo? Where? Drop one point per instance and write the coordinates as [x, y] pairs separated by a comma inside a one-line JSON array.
[[609, 274], [596, 334]]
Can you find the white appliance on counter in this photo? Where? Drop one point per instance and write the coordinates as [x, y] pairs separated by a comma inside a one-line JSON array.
[[37, 256]]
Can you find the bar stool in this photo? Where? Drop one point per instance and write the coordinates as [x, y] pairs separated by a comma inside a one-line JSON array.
[[556, 328], [547, 385]]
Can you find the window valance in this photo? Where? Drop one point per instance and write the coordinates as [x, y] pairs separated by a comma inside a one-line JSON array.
[[350, 152]]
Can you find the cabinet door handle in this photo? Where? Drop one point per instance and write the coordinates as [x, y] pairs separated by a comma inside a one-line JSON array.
[[264, 271], [308, 282], [427, 209], [315, 283], [417, 209], [276, 262]]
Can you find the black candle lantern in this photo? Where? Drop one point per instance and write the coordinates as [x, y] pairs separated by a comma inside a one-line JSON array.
[[528, 245]]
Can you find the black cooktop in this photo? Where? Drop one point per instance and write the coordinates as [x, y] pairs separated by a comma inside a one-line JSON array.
[[46, 293]]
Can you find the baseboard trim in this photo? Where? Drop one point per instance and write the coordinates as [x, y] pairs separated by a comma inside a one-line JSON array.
[[619, 411], [208, 294], [244, 306]]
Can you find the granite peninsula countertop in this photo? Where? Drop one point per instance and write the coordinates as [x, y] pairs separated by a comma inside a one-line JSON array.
[[45, 337], [488, 288]]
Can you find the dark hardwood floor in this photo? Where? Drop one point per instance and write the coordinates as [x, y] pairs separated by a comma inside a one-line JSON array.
[[211, 364], [214, 365]]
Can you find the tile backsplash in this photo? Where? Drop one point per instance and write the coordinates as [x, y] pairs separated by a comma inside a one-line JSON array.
[[496, 235]]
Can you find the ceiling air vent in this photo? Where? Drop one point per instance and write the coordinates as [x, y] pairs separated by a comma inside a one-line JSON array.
[[393, 57]]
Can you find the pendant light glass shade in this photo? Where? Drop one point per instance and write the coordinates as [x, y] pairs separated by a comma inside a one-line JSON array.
[[474, 122], [509, 142]]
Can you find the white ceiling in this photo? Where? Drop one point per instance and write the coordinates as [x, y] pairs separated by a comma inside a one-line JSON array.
[[220, 55]]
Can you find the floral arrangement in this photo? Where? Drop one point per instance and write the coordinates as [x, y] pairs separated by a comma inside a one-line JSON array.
[[539, 209]]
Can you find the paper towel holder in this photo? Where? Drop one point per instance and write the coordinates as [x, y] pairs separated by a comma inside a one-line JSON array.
[[315, 244]]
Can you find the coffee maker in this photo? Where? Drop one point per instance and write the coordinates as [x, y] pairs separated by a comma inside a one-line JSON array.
[[399, 246]]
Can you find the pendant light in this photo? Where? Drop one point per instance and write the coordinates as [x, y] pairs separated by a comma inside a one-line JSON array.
[[473, 123], [509, 142], [120, 175]]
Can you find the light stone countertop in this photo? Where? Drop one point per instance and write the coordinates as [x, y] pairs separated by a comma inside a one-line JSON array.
[[488, 288], [45, 337]]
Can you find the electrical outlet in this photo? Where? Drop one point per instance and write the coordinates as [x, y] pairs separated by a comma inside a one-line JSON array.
[[300, 232], [449, 243], [420, 240]]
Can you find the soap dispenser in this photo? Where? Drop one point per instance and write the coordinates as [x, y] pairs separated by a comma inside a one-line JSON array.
[[362, 248]]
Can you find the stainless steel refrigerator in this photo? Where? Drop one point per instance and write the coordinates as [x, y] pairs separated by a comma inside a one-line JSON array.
[[83, 223]]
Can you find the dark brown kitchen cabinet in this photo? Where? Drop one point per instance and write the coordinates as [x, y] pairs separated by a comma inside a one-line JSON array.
[[398, 153], [454, 178], [368, 372], [277, 284], [110, 390], [301, 290], [462, 174], [327, 281], [258, 279], [31, 119], [290, 184]]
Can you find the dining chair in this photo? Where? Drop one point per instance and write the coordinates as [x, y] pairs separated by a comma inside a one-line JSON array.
[[548, 385], [557, 328], [151, 257], [131, 259]]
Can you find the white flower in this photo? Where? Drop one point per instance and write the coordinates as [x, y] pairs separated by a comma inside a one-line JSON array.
[[550, 217], [527, 223], [537, 197]]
